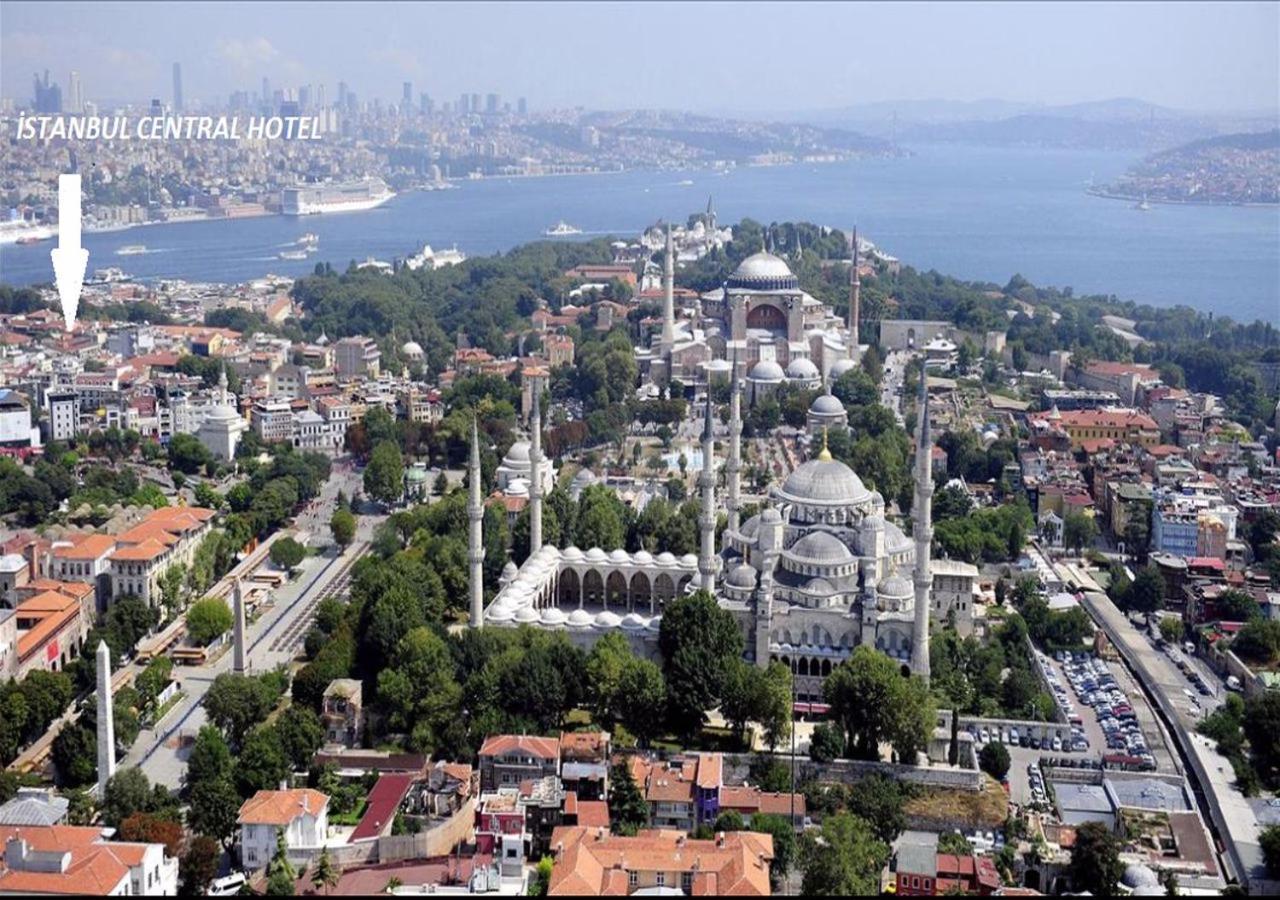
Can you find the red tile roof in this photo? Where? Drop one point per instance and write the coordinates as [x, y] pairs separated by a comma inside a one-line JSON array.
[[382, 803]]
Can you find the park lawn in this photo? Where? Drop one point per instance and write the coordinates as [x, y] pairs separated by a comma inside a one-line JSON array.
[[350, 818]]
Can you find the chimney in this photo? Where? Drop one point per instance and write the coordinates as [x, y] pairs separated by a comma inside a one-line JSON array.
[[32, 561]]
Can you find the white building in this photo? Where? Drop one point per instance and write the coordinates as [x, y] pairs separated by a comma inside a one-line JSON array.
[[273, 420], [222, 426], [67, 859], [302, 814], [15, 422], [63, 415]]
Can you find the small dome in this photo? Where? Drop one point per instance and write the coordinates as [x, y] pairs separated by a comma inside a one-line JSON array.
[[802, 369], [895, 586], [632, 622], [826, 405], [821, 547], [608, 619], [595, 554], [840, 367], [553, 615], [412, 350], [655, 624], [1137, 875], [766, 370], [527, 615], [770, 516], [584, 477], [765, 272], [642, 557], [749, 528], [666, 559], [500, 612], [689, 560], [743, 576], [509, 571], [571, 554], [519, 452], [619, 556], [580, 618]]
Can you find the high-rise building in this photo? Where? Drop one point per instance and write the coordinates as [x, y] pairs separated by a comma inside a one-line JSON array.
[[522, 106], [75, 94], [266, 91], [464, 104], [491, 104], [304, 97], [342, 94], [320, 104], [475, 103], [177, 88], [406, 97], [48, 96], [425, 104]]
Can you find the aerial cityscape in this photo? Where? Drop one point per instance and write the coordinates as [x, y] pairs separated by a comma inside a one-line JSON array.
[[529, 449]]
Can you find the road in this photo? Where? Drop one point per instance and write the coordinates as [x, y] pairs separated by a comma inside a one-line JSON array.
[[895, 364], [273, 639]]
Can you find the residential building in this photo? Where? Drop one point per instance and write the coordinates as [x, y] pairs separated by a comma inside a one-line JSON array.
[[272, 420], [15, 422], [506, 760], [342, 712], [85, 559], [166, 537], [71, 860], [34, 806], [301, 814], [921, 871], [584, 763], [356, 357]]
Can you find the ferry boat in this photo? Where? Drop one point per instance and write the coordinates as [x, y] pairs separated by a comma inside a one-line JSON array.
[[308, 239], [109, 275], [562, 228], [313, 199], [21, 231], [132, 250]]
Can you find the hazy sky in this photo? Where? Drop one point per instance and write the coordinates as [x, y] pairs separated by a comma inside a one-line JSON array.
[[755, 57]]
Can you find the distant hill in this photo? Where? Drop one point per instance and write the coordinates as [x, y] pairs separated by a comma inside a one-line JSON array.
[[1228, 168]]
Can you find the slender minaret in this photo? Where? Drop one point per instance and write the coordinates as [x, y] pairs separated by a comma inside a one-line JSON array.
[[239, 663], [707, 552], [535, 472], [923, 514], [106, 720], [668, 301], [711, 216], [855, 302], [733, 466], [475, 535]]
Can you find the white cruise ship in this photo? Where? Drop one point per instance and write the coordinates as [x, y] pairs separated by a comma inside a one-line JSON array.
[[312, 199]]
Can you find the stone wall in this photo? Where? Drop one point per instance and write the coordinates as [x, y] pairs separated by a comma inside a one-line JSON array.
[[848, 771]]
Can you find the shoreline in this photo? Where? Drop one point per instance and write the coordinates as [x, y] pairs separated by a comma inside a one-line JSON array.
[[1105, 194]]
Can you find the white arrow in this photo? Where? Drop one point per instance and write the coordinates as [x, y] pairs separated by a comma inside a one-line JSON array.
[[69, 258]]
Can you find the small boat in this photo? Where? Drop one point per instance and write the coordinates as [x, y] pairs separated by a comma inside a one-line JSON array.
[[293, 254], [685, 183], [132, 250], [27, 241], [1142, 204], [561, 229], [308, 239]]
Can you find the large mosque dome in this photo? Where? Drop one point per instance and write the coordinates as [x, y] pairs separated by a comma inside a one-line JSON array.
[[764, 272], [823, 481]]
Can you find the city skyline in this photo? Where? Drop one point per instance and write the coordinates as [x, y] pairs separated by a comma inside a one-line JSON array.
[[1191, 57]]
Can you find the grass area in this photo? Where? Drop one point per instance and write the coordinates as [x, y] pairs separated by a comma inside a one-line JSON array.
[[351, 818], [987, 809], [168, 705]]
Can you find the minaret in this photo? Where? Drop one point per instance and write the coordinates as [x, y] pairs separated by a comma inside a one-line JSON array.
[[238, 660], [923, 515], [707, 552], [106, 720], [855, 302], [222, 386], [535, 472], [733, 466], [475, 534], [711, 216], [668, 301]]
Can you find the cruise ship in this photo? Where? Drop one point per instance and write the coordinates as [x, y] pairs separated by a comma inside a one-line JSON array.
[[312, 199], [21, 231]]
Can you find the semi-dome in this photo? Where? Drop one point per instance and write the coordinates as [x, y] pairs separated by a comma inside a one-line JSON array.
[[895, 586], [821, 547], [742, 576], [802, 369], [824, 481], [1137, 875], [770, 516], [763, 272], [820, 587], [826, 405], [766, 370]]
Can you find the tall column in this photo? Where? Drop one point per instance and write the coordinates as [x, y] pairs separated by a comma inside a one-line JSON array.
[[707, 551], [239, 664], [535, 472], [855, 300], [106, 720], [475, 533], [733, 466], [668, 302], [923, 515]]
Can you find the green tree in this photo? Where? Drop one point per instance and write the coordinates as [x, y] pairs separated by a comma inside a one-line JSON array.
[[1079, 530], [301, 735], [606, 664], [643, 700], [213, 807], [784, 842], [281, 876], [700, 642], [419, 693], [172, 583], [208, 619], [199, 865], [874, 703], [826, 742], [1171, 630], [75, 755], [1146, 593], [845, 861], [729, 820], [384, 476], [287, 554], [262, 763], [187, 454], [994, 760], [1095, 860], [628, 810], [343, 525], [236, 703], [128, 792], [878, 800], [326, 875], [1270, 841]]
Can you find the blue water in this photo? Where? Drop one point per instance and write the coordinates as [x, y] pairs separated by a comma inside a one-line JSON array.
[[978, 213]]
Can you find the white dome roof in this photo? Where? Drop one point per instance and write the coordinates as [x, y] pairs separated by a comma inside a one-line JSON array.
[[1137, 876], [766, 370], [826, 405], [820, 587], [802, 368], [411, 349], [821, 547], [580, 618], [895, 586], [519, 453], [643, 557], [632, 622], [553, 615], [763, 271], [500, 612], [824, 481], [595, 554], [571, 554], [584, 477], [665, 558], [619, 556], [689, 560], [655, 623], [608, 619], [527, 614], [742, 576], [840, 367]]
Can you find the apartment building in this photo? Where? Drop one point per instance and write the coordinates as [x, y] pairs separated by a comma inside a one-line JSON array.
[[73, 860]]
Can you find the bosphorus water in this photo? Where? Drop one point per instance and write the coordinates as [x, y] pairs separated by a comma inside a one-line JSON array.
[[973, 212]]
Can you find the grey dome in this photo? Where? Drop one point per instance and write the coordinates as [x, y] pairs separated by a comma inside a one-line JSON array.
[[841, 366], [802, 369], [824, 481], [827, 405], [742, 576], [519, 452], [766, 370], [412, 349], [749, 528], [1137, 876], [895, 586], [765, 272], [820, 587], [584, 477], [821, 547]]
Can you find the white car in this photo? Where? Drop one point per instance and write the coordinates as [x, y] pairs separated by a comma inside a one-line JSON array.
[[227, 886], [1057, 743]]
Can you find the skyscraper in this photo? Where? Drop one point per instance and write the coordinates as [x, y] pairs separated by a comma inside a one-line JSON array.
[[75, 95], [475, 103], [406, 97], [491, 104], [177, 88], [464, 104], [48, 96], [522, 106], [342, 94]]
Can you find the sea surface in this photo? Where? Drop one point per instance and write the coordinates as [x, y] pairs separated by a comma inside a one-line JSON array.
[[976, 213]]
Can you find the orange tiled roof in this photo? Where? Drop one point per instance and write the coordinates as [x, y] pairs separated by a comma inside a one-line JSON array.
[[502, 744], [280, 807], [96, 867], [90, 546], [144, 552]]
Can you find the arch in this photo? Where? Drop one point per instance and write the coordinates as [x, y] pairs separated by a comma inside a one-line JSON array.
[[826, 668], [768, 317], [641, 593], [616, 589], [592, 587], [570, 588], [684, 582], [804, 666], [664, 589]]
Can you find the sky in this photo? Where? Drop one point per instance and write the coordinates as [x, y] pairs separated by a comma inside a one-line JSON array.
[[753, 57]]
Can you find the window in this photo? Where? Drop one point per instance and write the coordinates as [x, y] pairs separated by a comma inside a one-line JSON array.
[[686, 882], [633, 879], [660, 879]]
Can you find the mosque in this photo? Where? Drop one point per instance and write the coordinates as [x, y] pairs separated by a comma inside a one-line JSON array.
[[818, 572]]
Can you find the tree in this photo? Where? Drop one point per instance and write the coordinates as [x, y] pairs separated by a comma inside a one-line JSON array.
[[845, 860], [784, 842], [281, 876], [729, 820], [187, 454], [199, 865], [642, 700], [606, 664], [325, 875], [1171, 629], [1234, 605], [419, 693], [878, 800], [343, 526], [262, 763], [1079, 530], [128, 792], [235, 703], [171, 584], [1258, 641], [1270, 841], [384, 476], [287, 554], [700, 642], [628, 810], [874, 704], [826, 742], [994, 760], [1095, 860], [75, 755], [301, 735], [208, 619], [1146, 593], [210, 757], [1262, 728], [214, 804], [150, 828]]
